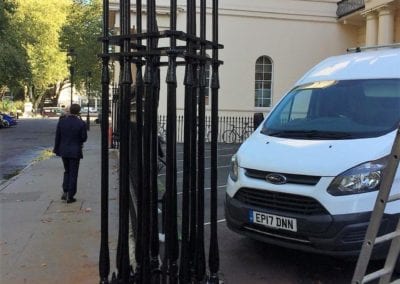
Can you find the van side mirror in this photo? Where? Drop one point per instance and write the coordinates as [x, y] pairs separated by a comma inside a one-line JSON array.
[[257, 119]]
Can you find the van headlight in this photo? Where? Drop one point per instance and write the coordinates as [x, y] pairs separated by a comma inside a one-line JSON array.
[[362, 178], [234, 170]]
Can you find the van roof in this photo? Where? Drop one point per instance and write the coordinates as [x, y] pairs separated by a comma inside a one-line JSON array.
[[360, 65]]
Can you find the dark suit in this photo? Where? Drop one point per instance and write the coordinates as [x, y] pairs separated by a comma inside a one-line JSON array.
[[70, 136]]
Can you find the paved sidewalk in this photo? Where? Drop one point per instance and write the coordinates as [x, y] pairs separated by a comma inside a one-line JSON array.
[[44, 240]]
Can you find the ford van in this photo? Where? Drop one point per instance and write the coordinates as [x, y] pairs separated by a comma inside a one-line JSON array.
[[308, 177]]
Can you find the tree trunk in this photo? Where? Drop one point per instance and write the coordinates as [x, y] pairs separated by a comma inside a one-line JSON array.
[[58, 88]]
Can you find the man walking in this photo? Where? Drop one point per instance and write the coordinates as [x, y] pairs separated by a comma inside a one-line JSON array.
[[70, 136]]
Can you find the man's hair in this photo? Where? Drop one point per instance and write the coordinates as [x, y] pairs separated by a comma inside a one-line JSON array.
[[74, 109]]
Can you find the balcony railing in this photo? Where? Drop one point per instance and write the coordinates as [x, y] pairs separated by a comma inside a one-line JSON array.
[[346, 7]]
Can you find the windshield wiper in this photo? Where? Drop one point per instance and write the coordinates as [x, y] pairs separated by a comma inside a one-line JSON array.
[[309, 134]]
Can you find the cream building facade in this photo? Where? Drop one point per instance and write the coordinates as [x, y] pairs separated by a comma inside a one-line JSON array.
[[269, 44]]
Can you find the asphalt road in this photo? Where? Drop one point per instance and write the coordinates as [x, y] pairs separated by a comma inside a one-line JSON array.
[[242, 260], [22, 143]]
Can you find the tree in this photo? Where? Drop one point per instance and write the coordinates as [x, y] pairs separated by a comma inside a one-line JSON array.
[[40, 23], [81, 33], [35, 36], [14, 70]]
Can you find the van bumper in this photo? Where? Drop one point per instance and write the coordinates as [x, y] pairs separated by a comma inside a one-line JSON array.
[[335, 235]]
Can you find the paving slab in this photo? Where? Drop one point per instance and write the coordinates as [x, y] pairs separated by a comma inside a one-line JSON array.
[[45, 240]]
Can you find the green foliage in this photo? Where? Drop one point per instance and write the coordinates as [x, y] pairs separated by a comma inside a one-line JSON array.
[[46, 60], [81, 33], [14, 68], [8, 106], [35, 36], [30, 57]]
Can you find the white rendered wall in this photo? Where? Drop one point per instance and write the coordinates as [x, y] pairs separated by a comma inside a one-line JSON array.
[[295, 34]]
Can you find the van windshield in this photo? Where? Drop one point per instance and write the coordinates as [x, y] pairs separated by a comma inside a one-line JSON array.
[[347, 109]]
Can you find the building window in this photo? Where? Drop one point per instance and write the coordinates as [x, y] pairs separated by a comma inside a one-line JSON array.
[[263, 82]]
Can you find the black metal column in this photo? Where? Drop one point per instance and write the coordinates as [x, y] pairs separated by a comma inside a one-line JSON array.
[[171, 236], [200, 255], [125, 91], [154, 241], [213, 258], [139, 89], [186, 256], [193, 139], [104, 258], [184, 49], [147, 138]]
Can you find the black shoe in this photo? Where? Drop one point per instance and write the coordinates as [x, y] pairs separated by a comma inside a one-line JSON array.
[[71, 200], [64, 196]]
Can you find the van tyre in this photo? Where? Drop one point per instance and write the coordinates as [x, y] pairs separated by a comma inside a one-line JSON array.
[[397, 266]]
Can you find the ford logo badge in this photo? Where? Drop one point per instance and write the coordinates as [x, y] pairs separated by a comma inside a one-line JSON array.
[[276, 178]]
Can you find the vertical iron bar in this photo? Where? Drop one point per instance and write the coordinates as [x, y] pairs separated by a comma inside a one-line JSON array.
[[120, 107], [155, 60], [147, 133], [113, 117], [193, 151], [124, 272], [171, 237], [193, 172], [146, 270], [213, 258], [185, 257], [104, 258], [200, 254], [154, 247], [139, 147]]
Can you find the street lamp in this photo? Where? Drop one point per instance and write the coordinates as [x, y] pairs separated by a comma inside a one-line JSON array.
[[70, 55], [88, 78]]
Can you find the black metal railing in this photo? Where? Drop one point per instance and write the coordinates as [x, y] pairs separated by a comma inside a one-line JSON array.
[[135, 127], [231, 129], [346, 7]]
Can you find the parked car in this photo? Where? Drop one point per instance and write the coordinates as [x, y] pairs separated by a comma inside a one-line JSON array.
[[308, 177], [3, 123], [51, 112], [7, 120], [91, 110]]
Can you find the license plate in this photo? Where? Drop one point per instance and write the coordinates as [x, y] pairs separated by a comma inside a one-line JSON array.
[[273, 221]]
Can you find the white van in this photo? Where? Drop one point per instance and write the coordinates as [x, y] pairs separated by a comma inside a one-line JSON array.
[[307, 178]]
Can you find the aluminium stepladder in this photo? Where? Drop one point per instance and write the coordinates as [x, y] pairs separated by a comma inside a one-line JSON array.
[[385, 274]]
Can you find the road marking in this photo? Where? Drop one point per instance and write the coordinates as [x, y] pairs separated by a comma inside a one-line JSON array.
[[206, 188], [218, 221], [181, 172], [219, 149], [209, 157]]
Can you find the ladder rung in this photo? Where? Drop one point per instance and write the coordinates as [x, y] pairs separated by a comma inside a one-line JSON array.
[[394, 197], [375, 275], [387, 237]]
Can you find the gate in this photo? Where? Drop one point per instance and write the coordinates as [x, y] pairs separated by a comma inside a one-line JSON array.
[[181, 260]]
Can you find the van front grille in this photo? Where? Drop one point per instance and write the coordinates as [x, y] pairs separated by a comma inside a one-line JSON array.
[[290, 178], [280, 201]]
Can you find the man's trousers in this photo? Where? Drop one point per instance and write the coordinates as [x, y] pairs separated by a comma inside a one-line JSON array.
[[71, 167]]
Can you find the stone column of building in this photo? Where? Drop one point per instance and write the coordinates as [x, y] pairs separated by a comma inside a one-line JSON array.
[[386, 25], [371, 33]]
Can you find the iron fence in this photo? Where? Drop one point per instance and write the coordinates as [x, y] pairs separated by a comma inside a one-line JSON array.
[[231, 129], [180, 260]]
